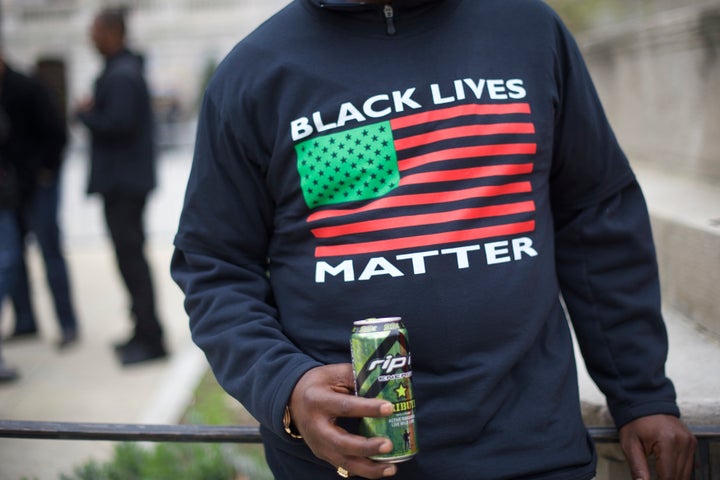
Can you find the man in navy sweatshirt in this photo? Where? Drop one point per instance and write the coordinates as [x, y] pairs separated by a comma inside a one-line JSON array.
[[447, 162]]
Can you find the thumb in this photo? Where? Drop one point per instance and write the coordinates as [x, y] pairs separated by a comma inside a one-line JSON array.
[[635, 454]]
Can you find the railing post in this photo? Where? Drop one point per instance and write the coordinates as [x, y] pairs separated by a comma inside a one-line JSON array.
[[702, 461]]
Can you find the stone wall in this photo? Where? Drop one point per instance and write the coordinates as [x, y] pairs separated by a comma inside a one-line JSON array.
[[659, 80], [179, 39]]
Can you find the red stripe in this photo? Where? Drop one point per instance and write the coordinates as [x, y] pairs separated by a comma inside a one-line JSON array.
[[466, 173], [467, 152], [466, 131], [426, 199], [425, 240], [426, 219], [459, 111]]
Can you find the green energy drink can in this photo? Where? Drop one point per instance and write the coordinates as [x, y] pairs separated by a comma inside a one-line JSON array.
[[382, 367]]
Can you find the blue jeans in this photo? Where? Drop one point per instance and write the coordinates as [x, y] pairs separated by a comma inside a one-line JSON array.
[[9, 255], [40, 218], [9, 251]]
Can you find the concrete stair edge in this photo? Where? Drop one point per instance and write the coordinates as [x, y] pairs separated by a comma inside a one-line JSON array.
[[685, 216]]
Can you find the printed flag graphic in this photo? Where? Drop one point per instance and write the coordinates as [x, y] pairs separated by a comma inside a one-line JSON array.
[[427, 179]]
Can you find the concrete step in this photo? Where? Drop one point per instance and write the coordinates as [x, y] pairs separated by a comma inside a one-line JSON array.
[[685, 216]]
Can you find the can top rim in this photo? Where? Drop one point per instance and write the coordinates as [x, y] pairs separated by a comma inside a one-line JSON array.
[[377, 321]]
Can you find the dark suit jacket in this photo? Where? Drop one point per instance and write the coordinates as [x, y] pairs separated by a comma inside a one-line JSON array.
[[121, 129]]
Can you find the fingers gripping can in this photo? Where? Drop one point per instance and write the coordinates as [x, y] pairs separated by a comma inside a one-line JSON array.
[[382, 367]]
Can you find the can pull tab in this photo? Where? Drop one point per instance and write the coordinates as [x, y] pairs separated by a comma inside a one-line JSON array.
[[389, 19]]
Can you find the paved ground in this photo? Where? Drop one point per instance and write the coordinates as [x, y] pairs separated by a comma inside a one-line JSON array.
[[85, 383]]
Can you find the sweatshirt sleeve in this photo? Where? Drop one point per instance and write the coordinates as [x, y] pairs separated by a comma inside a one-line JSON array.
[[220, 263], [609, 280], [605, 255]]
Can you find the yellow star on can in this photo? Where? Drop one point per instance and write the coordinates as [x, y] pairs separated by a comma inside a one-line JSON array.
[[401, 391]]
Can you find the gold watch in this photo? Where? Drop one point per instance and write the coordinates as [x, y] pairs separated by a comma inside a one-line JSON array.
[[287, 424]]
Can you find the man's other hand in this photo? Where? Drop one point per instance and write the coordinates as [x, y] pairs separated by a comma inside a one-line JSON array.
[[667, 439]]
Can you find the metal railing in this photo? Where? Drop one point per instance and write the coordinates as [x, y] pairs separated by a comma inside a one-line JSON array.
[[706, 435]]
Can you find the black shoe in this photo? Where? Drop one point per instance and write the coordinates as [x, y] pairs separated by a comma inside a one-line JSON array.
[[23, 335], [138, 352], [68, 338], [122, 345], [8, 374]]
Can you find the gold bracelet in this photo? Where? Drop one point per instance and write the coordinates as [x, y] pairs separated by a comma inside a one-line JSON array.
[[287, 422]]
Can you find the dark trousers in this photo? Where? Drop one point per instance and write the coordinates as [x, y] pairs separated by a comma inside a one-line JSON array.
[[40, 217], [124, 217]]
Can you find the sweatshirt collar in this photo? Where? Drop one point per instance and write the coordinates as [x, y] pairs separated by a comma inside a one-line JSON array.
[[355, 5], [355, 16]]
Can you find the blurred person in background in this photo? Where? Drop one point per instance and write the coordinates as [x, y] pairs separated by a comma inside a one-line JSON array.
[[39, 216], [122, 170], [35, 143]]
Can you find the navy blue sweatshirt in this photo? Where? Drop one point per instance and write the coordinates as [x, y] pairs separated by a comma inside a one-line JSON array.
[[449, 163]]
